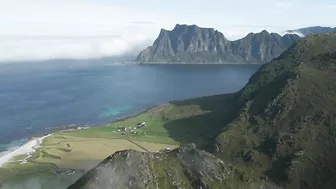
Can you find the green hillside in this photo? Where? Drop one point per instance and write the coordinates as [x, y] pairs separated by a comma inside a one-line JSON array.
[[286, 130], [277, 132]]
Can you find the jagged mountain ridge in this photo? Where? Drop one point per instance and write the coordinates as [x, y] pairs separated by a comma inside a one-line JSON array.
[[281, 130], [308, 31], [202, 45]]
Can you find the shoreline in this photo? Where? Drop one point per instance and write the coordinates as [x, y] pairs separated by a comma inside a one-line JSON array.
[[69, 128], [36, 142], [26, 149]]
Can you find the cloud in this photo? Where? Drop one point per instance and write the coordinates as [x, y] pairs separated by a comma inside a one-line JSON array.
[[283, 5], [68, 47], [294, 32], [331, 6], [143, 22], [37, 30]]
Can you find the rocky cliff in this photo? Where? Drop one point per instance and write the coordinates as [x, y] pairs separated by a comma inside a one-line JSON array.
[[279, 131], [192, 44]]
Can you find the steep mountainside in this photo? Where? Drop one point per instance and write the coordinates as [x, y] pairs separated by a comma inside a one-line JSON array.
[[280, 130], [313, 30], [201, 45], [286, 127]]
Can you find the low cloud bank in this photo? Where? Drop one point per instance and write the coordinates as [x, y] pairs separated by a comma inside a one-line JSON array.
[[42, 30], [44, 48], [292, 32]]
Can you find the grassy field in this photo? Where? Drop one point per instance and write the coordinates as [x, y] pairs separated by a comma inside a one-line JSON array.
[[191, 121], [71, 152], [83, 149], [155, 132], [168, 126], [85, 152]]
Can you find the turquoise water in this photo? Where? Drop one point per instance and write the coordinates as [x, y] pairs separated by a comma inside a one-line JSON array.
[[36, 98], [114, 111]]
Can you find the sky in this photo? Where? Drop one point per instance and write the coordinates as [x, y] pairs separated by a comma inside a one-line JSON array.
[[52, 29]]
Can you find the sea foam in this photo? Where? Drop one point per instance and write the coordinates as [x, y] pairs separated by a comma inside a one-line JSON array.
[[26, 149]]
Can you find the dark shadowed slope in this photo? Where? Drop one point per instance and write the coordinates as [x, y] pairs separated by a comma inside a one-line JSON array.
[[192, 44], [280, 131], [286, 129]]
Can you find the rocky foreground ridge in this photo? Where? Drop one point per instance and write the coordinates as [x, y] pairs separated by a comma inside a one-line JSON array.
[[280, 132], [185, 167]]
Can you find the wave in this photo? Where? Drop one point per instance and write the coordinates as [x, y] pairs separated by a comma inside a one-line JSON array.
[[26, 149]]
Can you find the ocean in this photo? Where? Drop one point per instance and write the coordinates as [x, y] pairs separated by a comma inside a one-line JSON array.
[[38, 97]]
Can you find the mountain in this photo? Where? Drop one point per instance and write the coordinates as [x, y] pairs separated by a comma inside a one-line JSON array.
[[285, 126], [313, 30], [279, 131], [206, 45]]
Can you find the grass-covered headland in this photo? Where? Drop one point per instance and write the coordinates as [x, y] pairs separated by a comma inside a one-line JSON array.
[[277, 132]]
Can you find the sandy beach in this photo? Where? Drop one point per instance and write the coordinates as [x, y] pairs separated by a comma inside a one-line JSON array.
[[26, 149], [30, 147]]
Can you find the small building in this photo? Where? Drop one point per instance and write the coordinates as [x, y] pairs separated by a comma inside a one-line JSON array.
[[82, 128], [143, 124], [121, 128]]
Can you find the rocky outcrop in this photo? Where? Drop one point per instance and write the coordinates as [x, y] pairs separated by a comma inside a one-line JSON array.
[[185, 167], [192, 44]]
